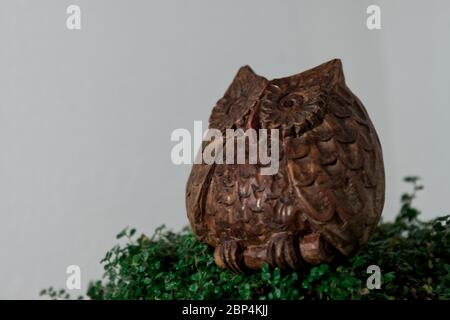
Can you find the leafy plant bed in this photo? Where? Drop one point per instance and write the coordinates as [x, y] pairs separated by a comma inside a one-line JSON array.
[[414, 258]]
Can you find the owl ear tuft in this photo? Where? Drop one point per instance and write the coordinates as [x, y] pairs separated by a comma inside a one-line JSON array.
[[246, 72], [330, 71], [245, 77], [334, 69]]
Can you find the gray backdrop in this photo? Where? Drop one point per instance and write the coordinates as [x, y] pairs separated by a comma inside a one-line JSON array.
[[86, 116]]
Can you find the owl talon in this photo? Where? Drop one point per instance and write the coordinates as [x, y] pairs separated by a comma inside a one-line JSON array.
[[286, 250], [229, 254], [283, 251], [315, 249]]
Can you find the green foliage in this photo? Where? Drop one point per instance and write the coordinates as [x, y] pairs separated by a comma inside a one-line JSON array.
[[414, 258], [61, 294]]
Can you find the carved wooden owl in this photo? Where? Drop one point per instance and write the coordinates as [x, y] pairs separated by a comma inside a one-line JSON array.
[[328, 193]]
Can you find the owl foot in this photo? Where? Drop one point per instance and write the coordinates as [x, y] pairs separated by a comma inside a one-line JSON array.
[[229, 254], [285, 250], [282, 251], [315, 249]]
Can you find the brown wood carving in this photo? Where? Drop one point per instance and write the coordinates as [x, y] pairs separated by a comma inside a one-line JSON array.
[[328, 194]]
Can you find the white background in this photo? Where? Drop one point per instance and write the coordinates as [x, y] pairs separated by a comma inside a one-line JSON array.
[[86, 116]]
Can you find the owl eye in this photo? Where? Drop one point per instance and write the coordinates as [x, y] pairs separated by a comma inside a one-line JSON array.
[[291, 100]]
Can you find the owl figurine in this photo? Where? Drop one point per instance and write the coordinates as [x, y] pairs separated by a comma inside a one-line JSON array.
[[328, 193]]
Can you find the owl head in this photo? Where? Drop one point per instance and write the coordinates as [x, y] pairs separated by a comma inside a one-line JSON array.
[[292, 104]]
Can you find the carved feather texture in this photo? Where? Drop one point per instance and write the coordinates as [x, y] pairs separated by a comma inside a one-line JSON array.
[[328, 194]]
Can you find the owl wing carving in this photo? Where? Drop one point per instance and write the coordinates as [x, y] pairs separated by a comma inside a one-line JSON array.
[[334, 168], [196, 190], [233, 108]]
